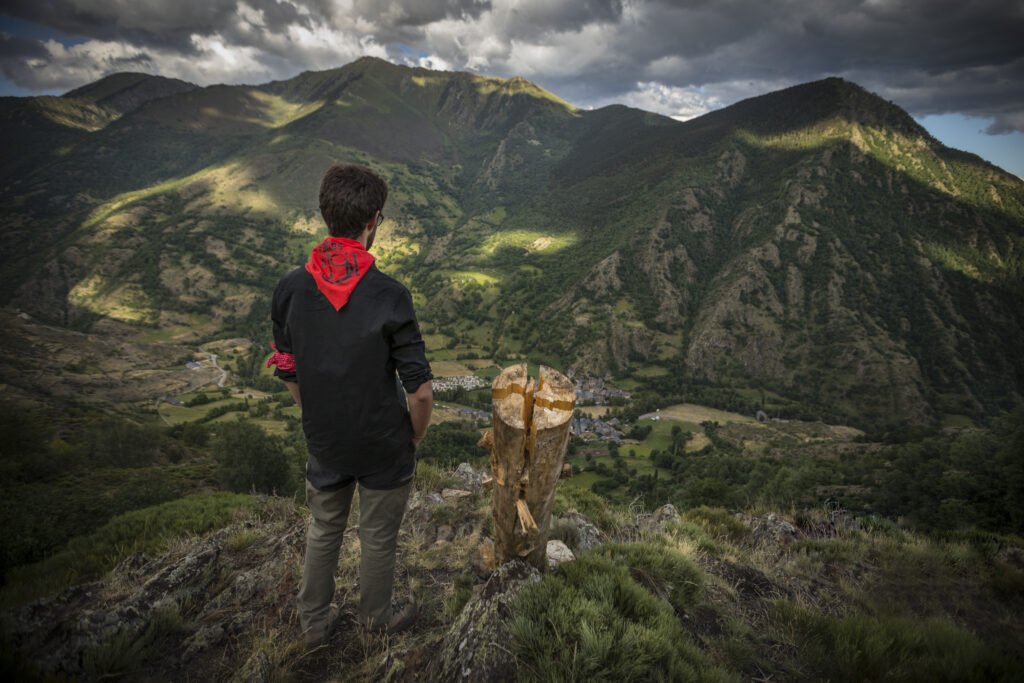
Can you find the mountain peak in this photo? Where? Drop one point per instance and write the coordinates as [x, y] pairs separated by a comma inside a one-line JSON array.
[[126, 91], [810, 103]]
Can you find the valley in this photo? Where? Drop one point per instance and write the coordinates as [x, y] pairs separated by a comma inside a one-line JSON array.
[[797, 313]]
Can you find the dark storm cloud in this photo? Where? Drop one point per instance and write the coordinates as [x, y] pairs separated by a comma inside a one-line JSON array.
[[157, 23], [929, 56], [16, 47], [406, 13], [938, 56]]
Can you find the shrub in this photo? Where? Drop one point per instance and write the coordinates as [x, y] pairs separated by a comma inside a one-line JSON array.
[[666, 573], [126, 651], [249, 459], [718, 522], [871, 648], [586, 502], [590, 620]]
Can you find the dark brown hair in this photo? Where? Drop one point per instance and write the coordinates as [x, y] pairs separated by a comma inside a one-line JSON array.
[[350, 194]]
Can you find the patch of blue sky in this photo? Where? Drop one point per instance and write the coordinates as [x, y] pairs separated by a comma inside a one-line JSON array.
[[967, 133], [27, 29], [31, 31]]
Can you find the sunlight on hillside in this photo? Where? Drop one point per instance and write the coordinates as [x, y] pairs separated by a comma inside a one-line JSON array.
[[108, 208], [233, 187], [803, 139], [472, 276], [280, 112], [97, 294], [531, 240], [487, 85], [259, 109], [913, 157], [972, 263]]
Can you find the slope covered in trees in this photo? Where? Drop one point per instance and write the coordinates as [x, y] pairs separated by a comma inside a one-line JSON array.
[[813, 242]]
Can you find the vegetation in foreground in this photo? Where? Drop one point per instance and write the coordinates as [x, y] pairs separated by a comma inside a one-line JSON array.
[[711, 595], [904, 560]]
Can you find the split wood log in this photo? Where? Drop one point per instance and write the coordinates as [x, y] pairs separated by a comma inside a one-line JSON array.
[[532, 427]]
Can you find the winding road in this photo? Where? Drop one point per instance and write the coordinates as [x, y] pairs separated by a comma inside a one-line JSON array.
[[220, 382]]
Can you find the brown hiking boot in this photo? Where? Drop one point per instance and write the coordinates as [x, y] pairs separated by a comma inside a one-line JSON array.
[[401, 619], [404, 618], [315, 639]]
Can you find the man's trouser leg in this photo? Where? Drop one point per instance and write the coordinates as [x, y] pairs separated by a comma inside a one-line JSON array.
[[323, 542], [380, 515]]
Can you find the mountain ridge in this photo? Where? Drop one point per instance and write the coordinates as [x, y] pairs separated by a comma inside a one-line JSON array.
[[750, 247]]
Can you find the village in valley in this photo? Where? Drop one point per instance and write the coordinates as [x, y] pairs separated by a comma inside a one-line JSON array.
[[590, 391]]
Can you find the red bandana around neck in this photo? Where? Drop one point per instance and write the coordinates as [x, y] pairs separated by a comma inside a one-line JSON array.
[[337, 264]]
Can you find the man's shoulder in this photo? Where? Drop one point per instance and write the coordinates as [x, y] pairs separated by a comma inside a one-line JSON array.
[[295, 277], [384, 283]]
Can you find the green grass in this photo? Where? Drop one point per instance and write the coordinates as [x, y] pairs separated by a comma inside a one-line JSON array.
[[588, 503], [610, 616], [180, 414], [126, 651], [952, 421], [82, 501], [862, 647], [147, 530], [476, 277], [660, 437], [582, 480]]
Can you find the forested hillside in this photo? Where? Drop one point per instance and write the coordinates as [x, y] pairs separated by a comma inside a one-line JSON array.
[[813, 243]]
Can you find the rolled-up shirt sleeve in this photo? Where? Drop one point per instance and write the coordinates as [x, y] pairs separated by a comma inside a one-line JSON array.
[[282, 335], [407, 348]]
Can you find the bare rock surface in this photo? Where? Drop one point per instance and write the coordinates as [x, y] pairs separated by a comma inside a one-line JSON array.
[[476, 646], [558, 552], [662, 516], [470, 478], [772, 529], [588, 536]]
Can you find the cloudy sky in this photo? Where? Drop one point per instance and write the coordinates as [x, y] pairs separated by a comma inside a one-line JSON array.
[[956, 65]]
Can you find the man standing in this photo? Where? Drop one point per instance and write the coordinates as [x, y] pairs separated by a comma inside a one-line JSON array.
[[347, 343]]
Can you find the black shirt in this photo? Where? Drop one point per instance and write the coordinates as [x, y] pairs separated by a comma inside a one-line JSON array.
[[354, 412]]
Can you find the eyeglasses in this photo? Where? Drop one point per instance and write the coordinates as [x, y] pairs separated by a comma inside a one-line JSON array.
[[380, 219]]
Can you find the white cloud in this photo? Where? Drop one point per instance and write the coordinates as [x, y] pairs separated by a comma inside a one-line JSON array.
[[433, 62], [681, 104], [671, 56]]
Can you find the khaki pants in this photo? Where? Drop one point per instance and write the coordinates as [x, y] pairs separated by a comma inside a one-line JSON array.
[[380, 515]]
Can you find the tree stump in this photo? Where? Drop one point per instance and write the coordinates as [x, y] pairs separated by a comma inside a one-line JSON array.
[[532, 427]]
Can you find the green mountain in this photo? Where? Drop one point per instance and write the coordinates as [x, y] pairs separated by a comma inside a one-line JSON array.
[[814, 248]]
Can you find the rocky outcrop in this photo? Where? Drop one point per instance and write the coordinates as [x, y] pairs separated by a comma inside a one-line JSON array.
[[587, 536], [475, 647], [173, 617]]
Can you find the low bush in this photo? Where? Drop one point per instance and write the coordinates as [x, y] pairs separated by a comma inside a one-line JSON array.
[[860, 647], [587, 503], [592, 620], [718, 523], [250, 459], [666, 573]]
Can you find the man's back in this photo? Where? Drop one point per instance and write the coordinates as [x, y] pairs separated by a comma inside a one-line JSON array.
[[342, 330], [346, 360]]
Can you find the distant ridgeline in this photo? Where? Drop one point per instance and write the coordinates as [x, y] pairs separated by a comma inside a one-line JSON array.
[[813, 248]]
